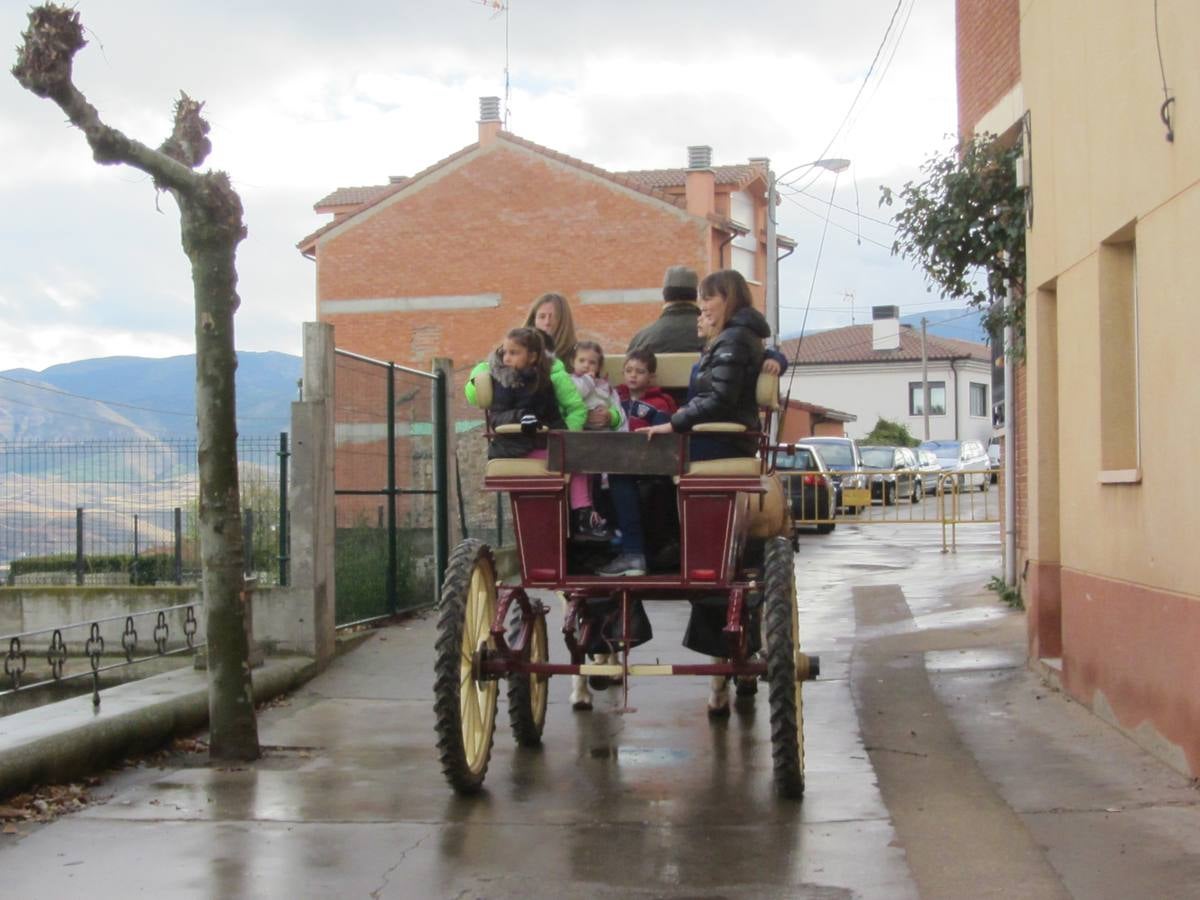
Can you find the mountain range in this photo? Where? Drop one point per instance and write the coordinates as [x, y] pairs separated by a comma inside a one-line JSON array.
[[127, 397]]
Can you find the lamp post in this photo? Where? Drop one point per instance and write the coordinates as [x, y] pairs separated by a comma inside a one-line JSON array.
[[834, 165]]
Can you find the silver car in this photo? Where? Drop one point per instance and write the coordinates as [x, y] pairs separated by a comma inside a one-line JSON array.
[[967, 461]]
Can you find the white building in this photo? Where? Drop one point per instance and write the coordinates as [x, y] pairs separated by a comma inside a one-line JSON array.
[[874, 371]]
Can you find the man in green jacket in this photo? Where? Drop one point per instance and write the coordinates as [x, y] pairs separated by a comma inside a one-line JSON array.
[[675, 329]]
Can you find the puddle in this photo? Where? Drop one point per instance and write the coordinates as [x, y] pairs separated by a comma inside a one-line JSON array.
[[640, 756]]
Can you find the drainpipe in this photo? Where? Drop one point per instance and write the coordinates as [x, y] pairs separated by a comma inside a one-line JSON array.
[[1010, 461], [721, 249], [953, 360]]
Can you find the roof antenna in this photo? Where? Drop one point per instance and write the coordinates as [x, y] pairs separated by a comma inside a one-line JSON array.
[[502, 6]]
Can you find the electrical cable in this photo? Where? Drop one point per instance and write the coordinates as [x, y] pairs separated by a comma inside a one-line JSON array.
[[161, 412], [1164, 111], [869, 240]]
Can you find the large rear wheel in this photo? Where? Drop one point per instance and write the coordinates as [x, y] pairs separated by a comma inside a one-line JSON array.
[[465, 707], [787, 707], [527, 694]]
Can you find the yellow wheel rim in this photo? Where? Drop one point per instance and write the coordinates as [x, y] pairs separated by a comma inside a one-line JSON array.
[[539, 689], [477, 699]]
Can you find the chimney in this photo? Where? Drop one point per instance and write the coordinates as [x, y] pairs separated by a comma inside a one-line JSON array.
[[489, 119], [885, 328], [701, 183]]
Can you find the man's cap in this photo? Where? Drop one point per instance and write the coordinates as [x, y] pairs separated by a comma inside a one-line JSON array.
[[680, 283]]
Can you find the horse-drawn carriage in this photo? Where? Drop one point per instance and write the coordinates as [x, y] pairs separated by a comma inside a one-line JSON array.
[[734, 553]]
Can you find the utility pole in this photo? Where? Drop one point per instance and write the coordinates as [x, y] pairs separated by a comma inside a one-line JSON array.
[[924, 379], [772, 273]]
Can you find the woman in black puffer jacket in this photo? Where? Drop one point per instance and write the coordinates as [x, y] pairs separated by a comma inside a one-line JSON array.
[[724, 382]]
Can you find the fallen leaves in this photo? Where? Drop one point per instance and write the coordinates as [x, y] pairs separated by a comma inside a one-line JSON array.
[[45, 804]]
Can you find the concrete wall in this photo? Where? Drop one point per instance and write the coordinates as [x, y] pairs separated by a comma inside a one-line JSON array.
[[1114, 413], [871, 391]]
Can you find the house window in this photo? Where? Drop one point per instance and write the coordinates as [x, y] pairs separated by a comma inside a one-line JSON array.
[[979, 404], [743, 251], [1117, 307], [937, 398]]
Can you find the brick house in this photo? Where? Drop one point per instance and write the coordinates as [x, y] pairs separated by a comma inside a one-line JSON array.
[[443, 263]]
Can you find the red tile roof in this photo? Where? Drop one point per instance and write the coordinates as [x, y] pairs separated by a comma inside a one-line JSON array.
[[352, 196], [853, 344], [677, 178]]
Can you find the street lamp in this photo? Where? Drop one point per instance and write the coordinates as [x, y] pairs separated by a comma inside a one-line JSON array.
[[835, 165]]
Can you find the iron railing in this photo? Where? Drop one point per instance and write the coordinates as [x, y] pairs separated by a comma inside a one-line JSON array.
[[49, 644]]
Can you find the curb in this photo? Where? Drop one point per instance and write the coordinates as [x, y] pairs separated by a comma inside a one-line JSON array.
[[69, 739]]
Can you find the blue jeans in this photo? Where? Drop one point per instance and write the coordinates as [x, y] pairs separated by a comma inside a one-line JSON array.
[[705, 446], [624, 491]]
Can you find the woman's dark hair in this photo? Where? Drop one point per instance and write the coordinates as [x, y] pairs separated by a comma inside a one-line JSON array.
[[531, 340], [586, 345], [645, 357], [730, 284]]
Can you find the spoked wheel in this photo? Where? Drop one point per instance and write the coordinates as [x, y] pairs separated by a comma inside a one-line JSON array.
[[787, 707], [527, 694], [465, 708]]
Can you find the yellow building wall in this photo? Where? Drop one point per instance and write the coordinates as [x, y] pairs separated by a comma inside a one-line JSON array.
[[1100, 161], [1115, 523]]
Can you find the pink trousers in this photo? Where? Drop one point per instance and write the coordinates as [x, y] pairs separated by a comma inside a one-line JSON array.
[[580, 485]]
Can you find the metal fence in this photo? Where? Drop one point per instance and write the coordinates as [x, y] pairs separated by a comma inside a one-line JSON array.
[[122, 511], [390, 480], [873, 497]]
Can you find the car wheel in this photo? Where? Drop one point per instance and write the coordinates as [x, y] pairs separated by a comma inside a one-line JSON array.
[[916, 494], [889, 495], [983, 485], [826, 528]]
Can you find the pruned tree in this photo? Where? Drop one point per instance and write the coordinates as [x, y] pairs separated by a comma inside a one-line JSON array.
[[211, 228], [964, 225]]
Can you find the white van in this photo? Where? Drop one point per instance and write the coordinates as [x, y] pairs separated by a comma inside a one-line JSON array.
[[968, 460]]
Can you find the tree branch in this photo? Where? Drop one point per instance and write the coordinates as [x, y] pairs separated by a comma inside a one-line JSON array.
[[43, 66]]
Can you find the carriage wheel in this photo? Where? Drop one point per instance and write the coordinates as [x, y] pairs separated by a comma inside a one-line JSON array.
[[527, 694], [787, 708], [464, 707]]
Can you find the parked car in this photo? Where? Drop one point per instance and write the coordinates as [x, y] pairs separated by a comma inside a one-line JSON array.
[[967, 461], [893, 473], [841, 456], [993, 452], [810, 490], [931, 471]]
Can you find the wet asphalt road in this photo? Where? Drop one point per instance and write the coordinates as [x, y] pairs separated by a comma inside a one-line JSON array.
[[349, 800]]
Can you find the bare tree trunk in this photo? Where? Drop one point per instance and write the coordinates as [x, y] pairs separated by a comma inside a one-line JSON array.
[[211, 228]]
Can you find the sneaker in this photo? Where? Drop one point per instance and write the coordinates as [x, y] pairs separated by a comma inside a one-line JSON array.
[[624, 564], [587, 526]]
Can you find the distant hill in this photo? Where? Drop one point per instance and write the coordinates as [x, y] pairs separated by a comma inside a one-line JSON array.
[[127, 397]]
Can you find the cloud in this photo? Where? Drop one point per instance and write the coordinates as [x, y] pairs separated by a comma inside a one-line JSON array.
[[310, 96]]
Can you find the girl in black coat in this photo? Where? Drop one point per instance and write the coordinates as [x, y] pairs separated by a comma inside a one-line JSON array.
[[522, 393]]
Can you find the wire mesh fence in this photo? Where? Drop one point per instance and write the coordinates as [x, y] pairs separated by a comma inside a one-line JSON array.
[[126, 511], [386, 487]]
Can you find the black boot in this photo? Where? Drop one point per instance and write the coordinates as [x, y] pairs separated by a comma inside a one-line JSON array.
[[588, 527]]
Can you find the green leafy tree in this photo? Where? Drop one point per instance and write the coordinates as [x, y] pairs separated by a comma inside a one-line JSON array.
[[887, 433], [964, 225]]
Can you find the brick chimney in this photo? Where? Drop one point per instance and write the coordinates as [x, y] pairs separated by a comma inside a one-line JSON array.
[[701, 181], [489, 119], [885, 328]]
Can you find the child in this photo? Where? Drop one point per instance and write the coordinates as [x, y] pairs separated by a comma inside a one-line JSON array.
[[587, 367], [644, 403], [521, 389], [529, 382]]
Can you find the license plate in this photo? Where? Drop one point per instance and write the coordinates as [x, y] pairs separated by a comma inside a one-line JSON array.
[[856, 497]]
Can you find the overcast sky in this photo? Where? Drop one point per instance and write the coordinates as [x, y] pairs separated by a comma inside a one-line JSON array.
[[306, 96]]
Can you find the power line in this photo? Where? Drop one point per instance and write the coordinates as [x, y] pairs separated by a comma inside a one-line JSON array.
[[855, 212], [887, 247], [858, 94], [161, 412]]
